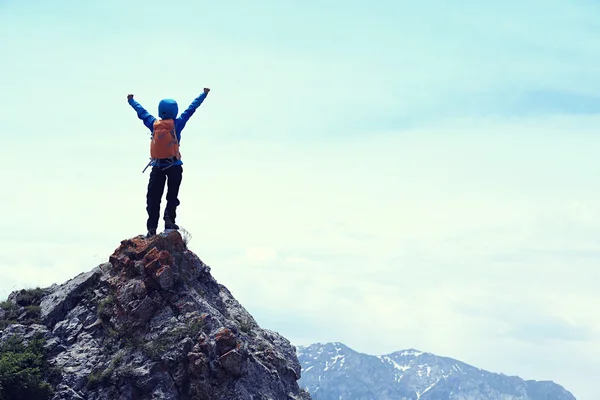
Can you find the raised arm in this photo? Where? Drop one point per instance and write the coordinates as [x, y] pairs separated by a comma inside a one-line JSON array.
[[185, 116], [142, 114]]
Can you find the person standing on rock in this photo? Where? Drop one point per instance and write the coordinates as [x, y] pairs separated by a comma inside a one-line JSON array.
[[165, 157]]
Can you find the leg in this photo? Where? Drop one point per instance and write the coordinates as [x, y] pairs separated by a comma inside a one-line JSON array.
[[156, 187], [175, 175]]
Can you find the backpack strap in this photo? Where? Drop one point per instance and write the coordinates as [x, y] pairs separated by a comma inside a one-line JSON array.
[[147, 165]]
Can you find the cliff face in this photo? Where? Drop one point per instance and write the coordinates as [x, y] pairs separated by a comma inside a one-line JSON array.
[[152, 323]]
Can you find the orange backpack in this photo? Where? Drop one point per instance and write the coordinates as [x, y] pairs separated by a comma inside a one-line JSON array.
[[164, 142]]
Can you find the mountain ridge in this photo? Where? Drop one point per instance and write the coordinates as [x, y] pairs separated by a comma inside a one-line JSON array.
[[333, 370]]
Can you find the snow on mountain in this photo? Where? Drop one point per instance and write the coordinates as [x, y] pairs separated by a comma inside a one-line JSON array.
[[333, 371]]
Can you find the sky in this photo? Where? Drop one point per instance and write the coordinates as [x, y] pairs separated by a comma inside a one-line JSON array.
[[389, 175]]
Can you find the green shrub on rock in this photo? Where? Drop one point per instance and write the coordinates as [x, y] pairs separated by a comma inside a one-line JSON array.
[[24, 370]]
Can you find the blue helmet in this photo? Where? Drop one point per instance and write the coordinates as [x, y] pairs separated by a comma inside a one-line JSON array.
[[167, 109]]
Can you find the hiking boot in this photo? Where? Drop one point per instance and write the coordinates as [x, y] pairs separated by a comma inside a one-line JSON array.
[[170, 224], [151, 232]]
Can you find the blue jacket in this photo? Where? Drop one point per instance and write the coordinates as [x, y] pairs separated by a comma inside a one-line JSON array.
[[167, 109]]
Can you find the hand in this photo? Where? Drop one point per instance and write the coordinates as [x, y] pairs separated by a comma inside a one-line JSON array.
[[206, 90], [129, 96]]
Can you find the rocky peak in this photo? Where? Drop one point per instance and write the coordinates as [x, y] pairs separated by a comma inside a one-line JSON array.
[[152, 323]]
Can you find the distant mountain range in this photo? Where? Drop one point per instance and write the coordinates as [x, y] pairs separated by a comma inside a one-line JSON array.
[[333, 371]]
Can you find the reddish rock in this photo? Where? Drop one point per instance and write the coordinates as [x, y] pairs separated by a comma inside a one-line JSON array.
[[225, 341], [123, 264], [113, 259], [171, 241], [134, 248], [140, 248], [152, 267], [151, 255], [165, 258], [128, 267]]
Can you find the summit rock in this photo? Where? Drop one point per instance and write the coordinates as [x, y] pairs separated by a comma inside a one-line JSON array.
[[151, 323]]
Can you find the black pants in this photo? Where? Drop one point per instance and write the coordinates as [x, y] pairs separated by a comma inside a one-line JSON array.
[[156, 186]]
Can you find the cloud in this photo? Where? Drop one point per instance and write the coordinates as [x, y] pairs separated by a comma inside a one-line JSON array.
[[541, 329], [414, 175], [531, 321], [300, 261], [30, 263], [260, 254]]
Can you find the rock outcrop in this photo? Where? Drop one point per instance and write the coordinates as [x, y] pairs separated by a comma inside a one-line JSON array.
[[152, 323]]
